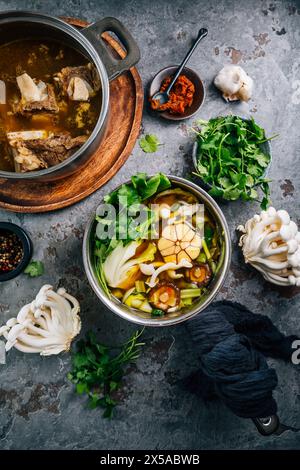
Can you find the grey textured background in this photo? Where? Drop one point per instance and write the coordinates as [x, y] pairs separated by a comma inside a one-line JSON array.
[[38, 409]]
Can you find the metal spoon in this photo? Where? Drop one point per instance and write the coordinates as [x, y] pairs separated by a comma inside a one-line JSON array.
[[163, 96]]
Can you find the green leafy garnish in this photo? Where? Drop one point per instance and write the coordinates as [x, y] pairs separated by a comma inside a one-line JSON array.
[[134, 220], [156, 312], [98, 371], [231, 159], [34, 269], [149, 143], [208, 234]]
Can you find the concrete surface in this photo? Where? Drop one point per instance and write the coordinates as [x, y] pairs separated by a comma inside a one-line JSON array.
[[38, 407]]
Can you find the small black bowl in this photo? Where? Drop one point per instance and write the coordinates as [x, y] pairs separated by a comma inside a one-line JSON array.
[[199, 95], [27, 249]]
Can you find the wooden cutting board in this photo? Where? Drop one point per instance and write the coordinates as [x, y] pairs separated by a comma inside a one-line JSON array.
[[126, 107]]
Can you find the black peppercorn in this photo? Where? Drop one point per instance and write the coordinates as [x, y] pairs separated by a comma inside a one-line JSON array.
[[11, 251]]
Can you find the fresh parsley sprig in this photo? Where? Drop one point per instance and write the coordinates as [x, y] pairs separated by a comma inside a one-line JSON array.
[[98, 372]]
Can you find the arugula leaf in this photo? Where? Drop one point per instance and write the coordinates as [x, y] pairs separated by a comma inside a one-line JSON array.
[[149, 143], [98, 372], [230, 158], [35, 268]]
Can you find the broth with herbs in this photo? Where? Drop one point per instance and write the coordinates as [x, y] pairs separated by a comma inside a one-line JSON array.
[[50, 100], [161, 269]]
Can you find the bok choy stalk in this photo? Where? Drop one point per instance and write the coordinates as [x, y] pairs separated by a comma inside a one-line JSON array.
[[120, 270], [124, 230]]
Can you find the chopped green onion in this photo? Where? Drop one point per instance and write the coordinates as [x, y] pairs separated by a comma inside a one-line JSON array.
[[206, 250], [140, 286], [187, 302], [221, 258], [189, 293], [213, 266], [201, 258]]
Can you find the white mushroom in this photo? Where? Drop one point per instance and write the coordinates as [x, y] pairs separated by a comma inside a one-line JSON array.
[[47, 325], [271, 244], [149, 269], [234, 83]]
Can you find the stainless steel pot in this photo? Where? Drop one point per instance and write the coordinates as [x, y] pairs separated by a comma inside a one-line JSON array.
[[16, 25], [136, 316]]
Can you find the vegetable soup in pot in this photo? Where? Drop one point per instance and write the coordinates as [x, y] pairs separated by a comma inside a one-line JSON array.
[[50, 101], [166, 261]]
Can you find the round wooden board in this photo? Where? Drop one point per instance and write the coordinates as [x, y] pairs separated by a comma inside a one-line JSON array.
[[126, 107]]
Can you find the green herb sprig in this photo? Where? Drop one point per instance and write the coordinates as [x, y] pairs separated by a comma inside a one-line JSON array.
[[126, 199], [149, 143], [98, 370], [35, 268], [230, 158]]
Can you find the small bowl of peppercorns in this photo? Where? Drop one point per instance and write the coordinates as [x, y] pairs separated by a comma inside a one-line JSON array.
[[15, 250]]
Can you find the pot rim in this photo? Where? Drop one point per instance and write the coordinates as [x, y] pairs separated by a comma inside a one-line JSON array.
[[123, 311], [77, 36]]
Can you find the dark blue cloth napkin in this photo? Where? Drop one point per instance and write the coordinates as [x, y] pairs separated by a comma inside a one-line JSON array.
[[232, 343]]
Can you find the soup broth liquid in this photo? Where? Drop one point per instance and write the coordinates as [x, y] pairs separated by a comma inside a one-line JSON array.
[[41, 59]]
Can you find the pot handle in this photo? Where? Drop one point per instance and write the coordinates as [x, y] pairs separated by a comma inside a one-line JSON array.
[[114, 67]]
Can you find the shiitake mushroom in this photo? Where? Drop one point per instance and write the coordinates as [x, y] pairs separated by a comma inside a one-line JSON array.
[[200, 274], [164, 295]]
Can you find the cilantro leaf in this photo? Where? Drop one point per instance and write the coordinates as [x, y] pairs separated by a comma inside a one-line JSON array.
[[98, 371], [34, 269], [149, 143], [231, 159]]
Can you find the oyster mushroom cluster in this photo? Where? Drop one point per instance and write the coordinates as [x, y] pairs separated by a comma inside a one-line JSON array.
[[47, 325], [271, 244]]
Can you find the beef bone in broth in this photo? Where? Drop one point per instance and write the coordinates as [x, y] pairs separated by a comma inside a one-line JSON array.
[[42, 60]]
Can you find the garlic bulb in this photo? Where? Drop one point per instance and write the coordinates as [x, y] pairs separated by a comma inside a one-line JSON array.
[[47, 325], [234, 83], [271, 244]]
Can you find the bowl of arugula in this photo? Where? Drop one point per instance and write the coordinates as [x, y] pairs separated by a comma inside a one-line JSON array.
[[232, 155]]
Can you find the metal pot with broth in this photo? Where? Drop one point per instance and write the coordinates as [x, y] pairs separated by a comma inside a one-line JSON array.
[[50, 100], [157, 250]]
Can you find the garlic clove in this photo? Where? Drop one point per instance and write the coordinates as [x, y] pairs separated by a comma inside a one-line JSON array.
[[234, 83]]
